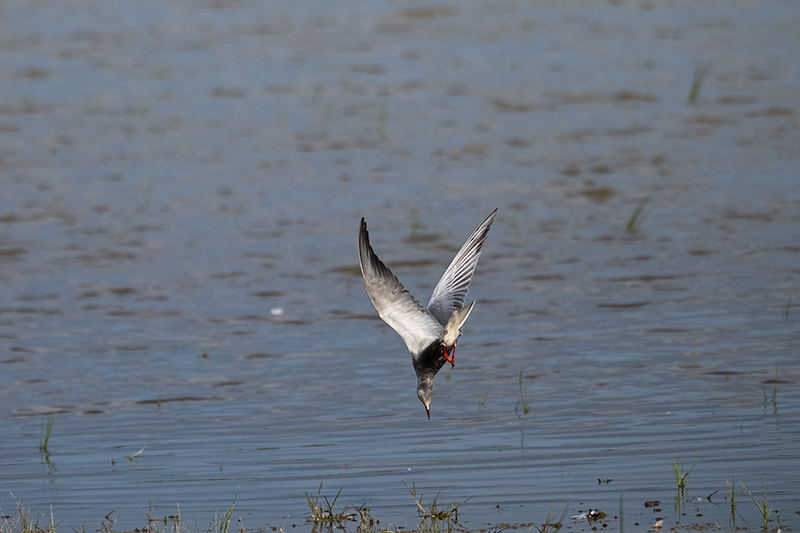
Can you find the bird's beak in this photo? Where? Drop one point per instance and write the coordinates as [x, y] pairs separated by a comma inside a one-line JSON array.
[[428, 409]]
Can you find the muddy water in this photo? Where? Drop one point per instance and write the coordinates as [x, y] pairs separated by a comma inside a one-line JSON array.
[[181, 189]]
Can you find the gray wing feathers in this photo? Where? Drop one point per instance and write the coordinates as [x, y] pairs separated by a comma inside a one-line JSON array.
[[394, 304], [450, 292]]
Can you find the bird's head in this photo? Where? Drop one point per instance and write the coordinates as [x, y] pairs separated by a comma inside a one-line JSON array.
[[425, 391]]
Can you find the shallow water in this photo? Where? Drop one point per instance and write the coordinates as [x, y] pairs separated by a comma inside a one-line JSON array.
[[182, 186]]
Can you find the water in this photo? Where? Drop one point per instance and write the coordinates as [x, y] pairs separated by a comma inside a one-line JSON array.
[[181, 190]]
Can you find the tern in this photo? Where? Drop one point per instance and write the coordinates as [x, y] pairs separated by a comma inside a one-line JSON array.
[[431, 332]]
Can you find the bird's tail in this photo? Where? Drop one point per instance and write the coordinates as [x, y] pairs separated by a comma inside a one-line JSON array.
[[457, 319]]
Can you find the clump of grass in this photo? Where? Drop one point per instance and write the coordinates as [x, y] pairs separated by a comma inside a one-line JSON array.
[[637, 216], [548, 525], [107, 524], [367, 522], [680, 475], [21, 522], [44, 438], [763, 509], [177, 526], [435, 519], [325, 515], [220, 525], [701, 70], [226, 516]]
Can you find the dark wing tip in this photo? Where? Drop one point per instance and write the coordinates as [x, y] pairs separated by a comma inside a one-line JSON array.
[[363, 245], [363, 234], [371, 266]]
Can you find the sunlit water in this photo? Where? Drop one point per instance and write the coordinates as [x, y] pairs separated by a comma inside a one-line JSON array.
[[181, 189]]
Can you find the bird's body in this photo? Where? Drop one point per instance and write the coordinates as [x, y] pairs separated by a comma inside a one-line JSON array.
[[431, 332]]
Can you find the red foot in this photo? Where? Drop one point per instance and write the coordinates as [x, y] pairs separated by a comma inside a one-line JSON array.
[[452, 358]]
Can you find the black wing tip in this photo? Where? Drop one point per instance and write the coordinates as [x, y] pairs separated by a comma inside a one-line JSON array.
[[370, 263], [364, 249], [363, 234], [484, 227]]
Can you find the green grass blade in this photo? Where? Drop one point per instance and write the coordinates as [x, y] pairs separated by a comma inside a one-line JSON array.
[[226, 518], [44, 439]]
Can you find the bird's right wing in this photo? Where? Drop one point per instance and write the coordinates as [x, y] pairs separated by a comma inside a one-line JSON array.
[[449, 293], [394, 304]]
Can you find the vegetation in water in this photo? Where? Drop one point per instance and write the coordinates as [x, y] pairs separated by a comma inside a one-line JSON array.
[[434, 517], [44, 438], [637, 216], [701, 71]]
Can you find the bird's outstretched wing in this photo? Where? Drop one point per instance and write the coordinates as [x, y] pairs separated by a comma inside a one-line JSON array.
[[394, 304], [449, 293]]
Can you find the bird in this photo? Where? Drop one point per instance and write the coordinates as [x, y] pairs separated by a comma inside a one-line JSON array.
[[431, 332]]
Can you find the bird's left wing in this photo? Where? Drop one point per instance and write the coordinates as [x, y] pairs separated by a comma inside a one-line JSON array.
[[394, 304]]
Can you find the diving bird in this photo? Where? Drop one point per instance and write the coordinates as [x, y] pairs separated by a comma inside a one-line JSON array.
[[429, 333]]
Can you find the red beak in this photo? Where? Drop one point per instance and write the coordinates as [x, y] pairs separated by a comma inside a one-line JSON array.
[[429, 412]]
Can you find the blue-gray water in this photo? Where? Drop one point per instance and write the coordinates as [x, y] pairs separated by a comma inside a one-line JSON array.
[[181, 189]]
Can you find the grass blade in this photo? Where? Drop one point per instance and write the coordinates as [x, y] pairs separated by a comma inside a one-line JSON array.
[[636, 217], [44, 438], [226, 517], [701, 70]]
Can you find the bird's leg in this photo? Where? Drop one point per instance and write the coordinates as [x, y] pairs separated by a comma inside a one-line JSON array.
[[449, 360]]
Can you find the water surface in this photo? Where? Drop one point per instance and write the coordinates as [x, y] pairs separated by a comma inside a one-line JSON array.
[[181, 191]]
